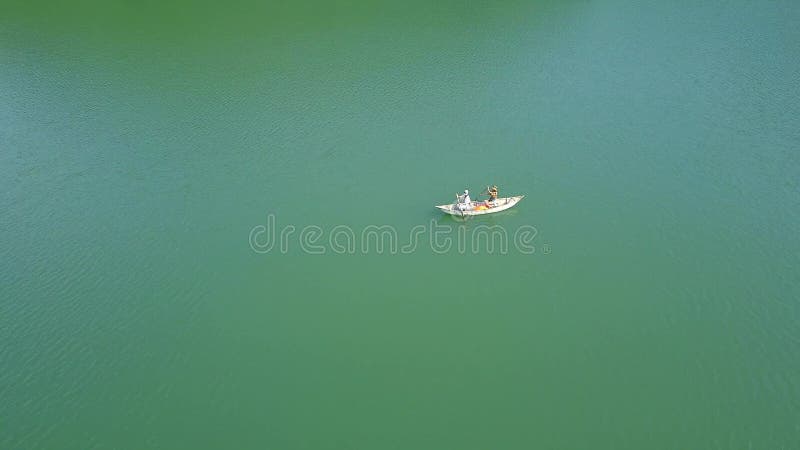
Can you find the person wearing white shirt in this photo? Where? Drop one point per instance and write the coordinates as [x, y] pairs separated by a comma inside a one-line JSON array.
[[464, 202]]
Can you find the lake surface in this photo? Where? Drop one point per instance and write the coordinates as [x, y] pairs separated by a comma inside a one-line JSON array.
[[143, 145]]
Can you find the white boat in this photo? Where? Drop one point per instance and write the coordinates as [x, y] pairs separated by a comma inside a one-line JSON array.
[[479, 208]]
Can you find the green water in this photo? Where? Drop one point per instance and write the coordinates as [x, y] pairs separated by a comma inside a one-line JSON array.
[[657, 144]]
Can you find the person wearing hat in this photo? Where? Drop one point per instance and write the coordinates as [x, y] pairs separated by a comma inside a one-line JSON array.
[[464, 202]]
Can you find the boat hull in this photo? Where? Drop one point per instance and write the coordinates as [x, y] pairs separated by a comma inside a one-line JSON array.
[[501, 204]]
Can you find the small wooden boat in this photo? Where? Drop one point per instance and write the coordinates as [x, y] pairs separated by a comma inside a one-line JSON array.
[[480, 208]]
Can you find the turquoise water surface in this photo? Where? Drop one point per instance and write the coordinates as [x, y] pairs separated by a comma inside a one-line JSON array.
[[656, 143]]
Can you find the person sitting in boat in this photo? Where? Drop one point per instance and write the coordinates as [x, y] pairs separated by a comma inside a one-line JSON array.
[[492, 191], [464, 202]]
